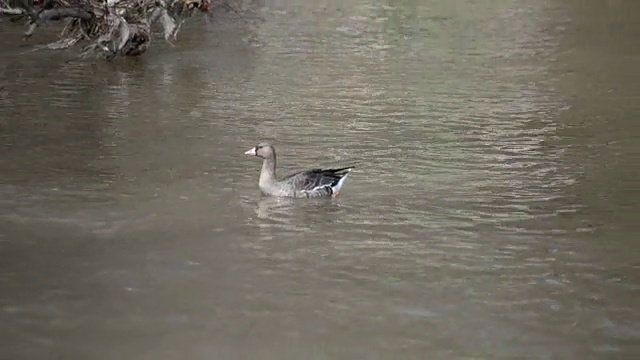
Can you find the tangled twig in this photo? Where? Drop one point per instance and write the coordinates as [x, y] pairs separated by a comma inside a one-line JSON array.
[[111, 27]]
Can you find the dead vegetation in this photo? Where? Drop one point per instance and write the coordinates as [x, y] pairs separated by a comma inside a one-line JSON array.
[[107, 28]]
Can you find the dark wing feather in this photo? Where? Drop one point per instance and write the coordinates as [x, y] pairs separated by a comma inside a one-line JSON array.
[[311, 179]]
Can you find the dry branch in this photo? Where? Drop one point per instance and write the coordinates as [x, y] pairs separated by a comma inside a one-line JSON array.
[[112, 27]]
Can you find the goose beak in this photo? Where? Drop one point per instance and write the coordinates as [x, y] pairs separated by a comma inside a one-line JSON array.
[[251, 151]]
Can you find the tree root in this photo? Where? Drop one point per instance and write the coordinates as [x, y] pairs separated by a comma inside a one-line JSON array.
[[112, 27]]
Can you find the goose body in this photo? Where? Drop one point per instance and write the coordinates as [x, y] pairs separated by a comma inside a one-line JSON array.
[[314, 183]]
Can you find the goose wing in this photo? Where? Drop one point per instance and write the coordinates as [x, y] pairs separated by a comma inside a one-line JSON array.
[[317, 182]]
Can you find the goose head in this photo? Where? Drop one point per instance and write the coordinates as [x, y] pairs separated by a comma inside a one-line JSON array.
[[264, 151]]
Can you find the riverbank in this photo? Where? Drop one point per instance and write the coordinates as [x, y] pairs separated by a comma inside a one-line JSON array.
[[106, 30]]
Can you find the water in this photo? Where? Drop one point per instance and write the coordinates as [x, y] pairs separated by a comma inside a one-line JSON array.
[[492, 213]]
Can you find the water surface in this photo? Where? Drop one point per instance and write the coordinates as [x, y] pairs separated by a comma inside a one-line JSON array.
[[492, 213]]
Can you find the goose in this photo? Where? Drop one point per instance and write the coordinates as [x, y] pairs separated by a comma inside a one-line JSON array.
[[314, 183]]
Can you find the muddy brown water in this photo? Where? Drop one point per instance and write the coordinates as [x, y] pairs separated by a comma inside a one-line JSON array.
[[493, 213]]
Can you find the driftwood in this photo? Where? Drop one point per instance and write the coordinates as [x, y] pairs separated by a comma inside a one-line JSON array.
[[112, 27]]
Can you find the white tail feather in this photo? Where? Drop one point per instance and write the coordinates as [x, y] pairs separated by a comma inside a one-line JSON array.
[[338, 186]]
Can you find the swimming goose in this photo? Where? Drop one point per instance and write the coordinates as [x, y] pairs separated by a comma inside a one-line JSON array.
[[314, 183]]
